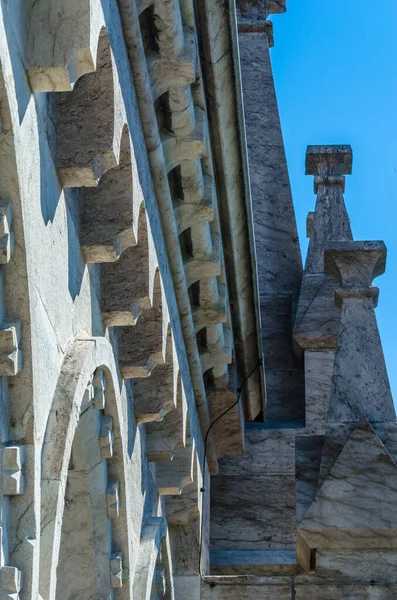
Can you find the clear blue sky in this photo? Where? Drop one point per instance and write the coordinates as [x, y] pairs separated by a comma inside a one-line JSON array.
[[335, 69]]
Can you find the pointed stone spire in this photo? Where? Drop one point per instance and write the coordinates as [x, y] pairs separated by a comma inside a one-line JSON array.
[[329, 165], [360, 385], [317, 320]]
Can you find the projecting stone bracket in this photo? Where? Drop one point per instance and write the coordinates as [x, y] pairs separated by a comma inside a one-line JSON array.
[[112, 499], [12, 461], [61, 42], [165, 73], [6, 235], [355, 264], [198, 268], [191, 213], [116, 570], [173, 476], [106, 437], [178, 149], [11, 583], [212, 358], [10, 354]]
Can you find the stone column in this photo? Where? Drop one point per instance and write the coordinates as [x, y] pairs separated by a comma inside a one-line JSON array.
[[276, 239], [360, 384]]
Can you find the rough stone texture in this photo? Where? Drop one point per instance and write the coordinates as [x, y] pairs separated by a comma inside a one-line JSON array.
[[128, 285]]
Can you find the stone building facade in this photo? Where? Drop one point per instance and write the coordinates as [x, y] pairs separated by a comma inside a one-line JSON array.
[[185, 411]]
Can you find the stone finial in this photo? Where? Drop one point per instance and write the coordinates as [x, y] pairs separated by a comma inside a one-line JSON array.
[[355, 264], [330, 220]]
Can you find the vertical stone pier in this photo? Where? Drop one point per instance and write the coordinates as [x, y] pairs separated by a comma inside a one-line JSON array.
[[276, 239]]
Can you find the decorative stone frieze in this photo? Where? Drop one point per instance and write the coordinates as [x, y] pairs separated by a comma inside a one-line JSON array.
[[13, 458]]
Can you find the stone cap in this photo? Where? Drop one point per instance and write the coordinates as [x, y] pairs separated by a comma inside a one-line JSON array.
[[258, 10], [355, 264], [329, 160]]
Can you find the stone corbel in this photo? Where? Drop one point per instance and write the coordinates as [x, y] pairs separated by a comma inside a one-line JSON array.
[[128, 284], [106, 437], [157, 395], [6, 235], [116, 570], [173, 476], [165, 437], [91, 120], [11, 583], [108, 211], [199, 268], [191, 213], [10, 353], [61, 42], [13, 458], [165, 72], [210, 359], [179, 149]]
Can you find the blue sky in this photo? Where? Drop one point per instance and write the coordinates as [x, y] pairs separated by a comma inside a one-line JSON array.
[[335, 69]]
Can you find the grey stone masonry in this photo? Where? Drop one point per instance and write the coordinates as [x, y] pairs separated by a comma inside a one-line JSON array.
[[279, 261], [360, 382], [317, 320]]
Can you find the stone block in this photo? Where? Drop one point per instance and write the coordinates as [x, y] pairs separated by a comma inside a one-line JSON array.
[[13, 458], [329, 160], [116, 570], [112, 499], [253, 512], [266, 451], [10, 353], [6, 235], [166, 71], [106, 437]]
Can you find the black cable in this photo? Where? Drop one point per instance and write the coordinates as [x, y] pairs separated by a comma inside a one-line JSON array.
[[202, 490]]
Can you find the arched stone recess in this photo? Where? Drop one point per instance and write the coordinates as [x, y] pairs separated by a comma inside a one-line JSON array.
[[62, 42], [85, 537], [90, 123]]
